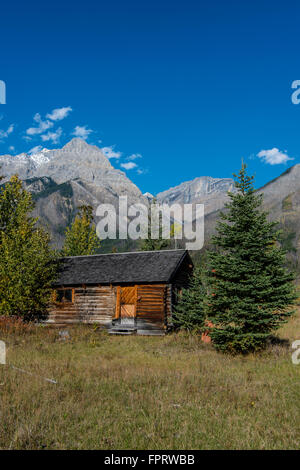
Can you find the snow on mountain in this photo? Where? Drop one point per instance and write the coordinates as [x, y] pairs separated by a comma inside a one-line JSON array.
[[148, 195], [40, 157], [24, 164]]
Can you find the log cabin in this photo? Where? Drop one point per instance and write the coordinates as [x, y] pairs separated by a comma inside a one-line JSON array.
[[125, 292]]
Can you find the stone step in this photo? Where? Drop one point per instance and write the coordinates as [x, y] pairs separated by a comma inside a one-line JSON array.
[[151, 332], [121, 331]]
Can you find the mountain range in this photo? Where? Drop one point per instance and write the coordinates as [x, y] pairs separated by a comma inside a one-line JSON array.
[[63, 179]]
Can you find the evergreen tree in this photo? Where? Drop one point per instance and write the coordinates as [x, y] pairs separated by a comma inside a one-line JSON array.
[[27, 263], [189, 312], [81, 237], [153, 244], [250, 291]]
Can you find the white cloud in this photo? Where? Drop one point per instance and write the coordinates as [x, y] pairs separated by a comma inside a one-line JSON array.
[[27, 138], [109, 152], [35, 150], [41, 127], [5, 134], [274, 156], [11, 148], [129, 165], [59, 113], [82, 132], [10, 129], [134, 156], [52, 136]]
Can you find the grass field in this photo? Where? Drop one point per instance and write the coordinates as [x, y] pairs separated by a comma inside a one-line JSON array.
[[146, 393]]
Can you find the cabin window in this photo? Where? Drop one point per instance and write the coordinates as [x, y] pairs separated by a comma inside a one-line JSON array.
[[64, 295]]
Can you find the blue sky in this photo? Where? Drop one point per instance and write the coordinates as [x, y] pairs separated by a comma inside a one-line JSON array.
[[178, 88]]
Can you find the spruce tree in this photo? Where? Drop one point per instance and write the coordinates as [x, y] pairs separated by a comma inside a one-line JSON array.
[[81, 237], [189, 311], [153, 244], [250, 291]]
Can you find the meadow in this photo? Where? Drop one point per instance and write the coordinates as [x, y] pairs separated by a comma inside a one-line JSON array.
[[171, 392]]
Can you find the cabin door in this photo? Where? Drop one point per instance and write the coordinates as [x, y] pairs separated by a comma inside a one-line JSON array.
[[128, 305]]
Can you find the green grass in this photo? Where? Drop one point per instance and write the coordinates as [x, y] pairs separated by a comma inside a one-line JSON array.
[[146, 393]]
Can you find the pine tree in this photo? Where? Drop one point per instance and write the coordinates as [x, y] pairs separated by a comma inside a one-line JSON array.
[[81, 237], [189, 312], [27, 263], [250, 291], [153, 244]]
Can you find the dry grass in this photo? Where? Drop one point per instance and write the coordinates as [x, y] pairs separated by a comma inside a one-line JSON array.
[[145, 393]]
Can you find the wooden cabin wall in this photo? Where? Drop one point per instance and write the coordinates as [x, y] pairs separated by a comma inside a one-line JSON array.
[[97, 304], [153, 307], [92, 304]]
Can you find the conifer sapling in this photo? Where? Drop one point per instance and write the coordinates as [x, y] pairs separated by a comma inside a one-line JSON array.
[[250, 291]]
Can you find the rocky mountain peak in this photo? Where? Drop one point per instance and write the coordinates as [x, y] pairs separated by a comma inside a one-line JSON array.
[[79, 145], [197, 190], [77, 159]]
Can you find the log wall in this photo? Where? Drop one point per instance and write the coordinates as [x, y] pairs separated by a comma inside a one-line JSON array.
[[151, 307], [92, 304], [97, 304]]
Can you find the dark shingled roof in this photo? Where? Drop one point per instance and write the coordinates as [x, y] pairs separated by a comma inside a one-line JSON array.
[[118, 268]]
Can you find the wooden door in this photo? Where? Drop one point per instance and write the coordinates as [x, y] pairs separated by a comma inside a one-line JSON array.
[[126, 304]]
